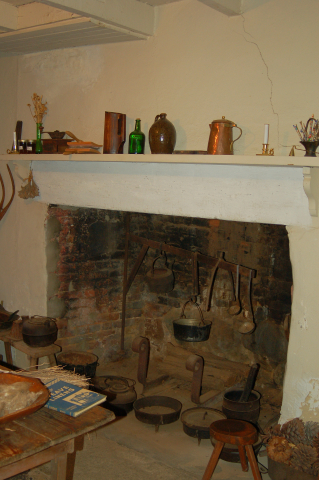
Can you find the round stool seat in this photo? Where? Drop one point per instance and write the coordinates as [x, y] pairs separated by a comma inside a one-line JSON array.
[[235, 432]]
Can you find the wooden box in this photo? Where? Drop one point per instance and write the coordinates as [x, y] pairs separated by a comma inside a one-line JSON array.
[[55, 145]]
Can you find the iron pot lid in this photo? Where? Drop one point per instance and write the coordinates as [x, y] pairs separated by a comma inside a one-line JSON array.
[[200, 418]]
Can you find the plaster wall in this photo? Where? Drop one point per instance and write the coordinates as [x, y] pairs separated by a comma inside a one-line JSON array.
[[254, 69]]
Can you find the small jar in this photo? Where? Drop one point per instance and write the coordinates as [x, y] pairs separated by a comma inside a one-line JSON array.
[[22, 146], [30, 146]]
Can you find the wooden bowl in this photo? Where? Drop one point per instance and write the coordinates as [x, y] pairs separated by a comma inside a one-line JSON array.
[[35, 385], [56, 135]]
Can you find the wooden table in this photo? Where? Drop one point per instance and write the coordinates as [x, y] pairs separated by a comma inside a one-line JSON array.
[[44, 436]]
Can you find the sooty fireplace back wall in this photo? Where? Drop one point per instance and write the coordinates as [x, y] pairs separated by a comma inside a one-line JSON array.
[[85, 257]]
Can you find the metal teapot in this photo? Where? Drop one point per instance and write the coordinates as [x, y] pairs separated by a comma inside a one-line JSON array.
[[39, 331], [221, 137], [120, 392]]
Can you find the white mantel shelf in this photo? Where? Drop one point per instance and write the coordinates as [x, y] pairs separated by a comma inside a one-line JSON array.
[[257, 160], [267, 189]]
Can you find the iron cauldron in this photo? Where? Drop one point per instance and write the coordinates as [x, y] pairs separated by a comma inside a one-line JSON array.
[[191, 329]]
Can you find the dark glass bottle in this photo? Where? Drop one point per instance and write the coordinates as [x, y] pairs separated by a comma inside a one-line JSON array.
[[137, 139]]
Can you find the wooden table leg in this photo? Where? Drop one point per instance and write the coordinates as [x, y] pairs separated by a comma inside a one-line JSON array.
[[78, 445], [57, 452], [59, 467], [7, 348]]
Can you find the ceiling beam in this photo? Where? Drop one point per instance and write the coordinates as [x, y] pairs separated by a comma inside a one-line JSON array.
[[130, 14], [8, 17], [228, 7], [233, 7]]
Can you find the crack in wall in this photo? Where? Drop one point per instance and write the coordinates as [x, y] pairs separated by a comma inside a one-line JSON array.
[[253, 42]]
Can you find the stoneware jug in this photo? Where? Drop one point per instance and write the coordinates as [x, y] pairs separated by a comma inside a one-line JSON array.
[[221, 137], [162, 135]]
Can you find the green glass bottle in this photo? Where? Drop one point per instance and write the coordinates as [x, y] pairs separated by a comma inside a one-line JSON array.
[[136, 139], [39, 145]]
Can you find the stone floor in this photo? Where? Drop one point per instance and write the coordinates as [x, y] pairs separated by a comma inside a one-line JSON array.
[[129, 449]]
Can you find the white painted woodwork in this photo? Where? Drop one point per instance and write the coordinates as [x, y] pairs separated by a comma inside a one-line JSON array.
[[131, 14], [233, 7], [68, 33], [157, 3], [8, 17], [266, 194], [36, 14], [249, 160], [64, 24], [17, 3]]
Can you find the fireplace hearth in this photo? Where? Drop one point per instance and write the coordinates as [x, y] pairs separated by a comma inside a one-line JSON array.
[[85, 262]]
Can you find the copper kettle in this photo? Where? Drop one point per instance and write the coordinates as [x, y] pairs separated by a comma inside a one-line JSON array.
[[221, 137]]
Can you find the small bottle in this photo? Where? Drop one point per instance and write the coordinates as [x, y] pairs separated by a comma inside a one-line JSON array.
[[136, 139], [15, 145]]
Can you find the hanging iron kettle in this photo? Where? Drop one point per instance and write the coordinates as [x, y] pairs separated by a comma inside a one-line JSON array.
[[160, 280], [221, 137]]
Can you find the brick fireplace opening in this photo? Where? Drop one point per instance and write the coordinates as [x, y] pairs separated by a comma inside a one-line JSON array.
[[85, 260]]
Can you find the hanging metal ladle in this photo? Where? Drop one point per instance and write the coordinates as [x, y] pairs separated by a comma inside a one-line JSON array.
[[248, 324], [235, 306]]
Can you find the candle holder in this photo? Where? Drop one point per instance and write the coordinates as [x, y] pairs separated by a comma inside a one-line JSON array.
[[266, 151]]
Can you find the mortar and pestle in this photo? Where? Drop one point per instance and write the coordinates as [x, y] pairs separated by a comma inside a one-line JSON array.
[[243, 403]]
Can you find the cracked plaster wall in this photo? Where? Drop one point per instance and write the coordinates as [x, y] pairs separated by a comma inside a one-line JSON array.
[[254, 69]]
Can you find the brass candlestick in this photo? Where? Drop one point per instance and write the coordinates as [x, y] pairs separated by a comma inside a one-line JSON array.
[[266, 151]]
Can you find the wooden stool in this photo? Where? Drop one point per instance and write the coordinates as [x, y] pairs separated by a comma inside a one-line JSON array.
[[235, 432], [34, 353]]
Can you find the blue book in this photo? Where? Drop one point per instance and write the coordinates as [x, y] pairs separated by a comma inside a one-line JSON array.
[[70, 399]]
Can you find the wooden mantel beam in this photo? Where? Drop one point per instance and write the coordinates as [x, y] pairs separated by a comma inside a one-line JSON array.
[[8, 17], [129, 14]]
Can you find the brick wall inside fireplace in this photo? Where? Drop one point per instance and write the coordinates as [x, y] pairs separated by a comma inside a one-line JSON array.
[[85, 258]]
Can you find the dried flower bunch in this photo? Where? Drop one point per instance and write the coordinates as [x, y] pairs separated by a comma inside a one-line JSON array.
[[296, 444], [40, 109], [31, 189]]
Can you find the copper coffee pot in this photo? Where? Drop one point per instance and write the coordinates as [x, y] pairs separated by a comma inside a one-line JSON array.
[[221, 137]]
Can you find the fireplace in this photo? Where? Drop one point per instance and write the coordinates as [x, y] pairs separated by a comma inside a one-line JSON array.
[[86, 248], [268, 195]]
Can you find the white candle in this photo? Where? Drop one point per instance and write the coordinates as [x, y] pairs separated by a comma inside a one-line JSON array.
[[266, 134]]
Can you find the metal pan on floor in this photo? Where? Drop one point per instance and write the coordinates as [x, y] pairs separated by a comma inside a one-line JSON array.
[[196, 421], [157, 410]]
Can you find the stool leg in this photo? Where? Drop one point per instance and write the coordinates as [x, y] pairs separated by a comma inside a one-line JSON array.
[[213, 461], [7, 348], [33, 364], [253, 462], [242, 457], [52, 360]]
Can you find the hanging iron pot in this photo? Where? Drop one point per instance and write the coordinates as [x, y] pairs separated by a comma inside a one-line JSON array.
[[160, 280], [191, 329]]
